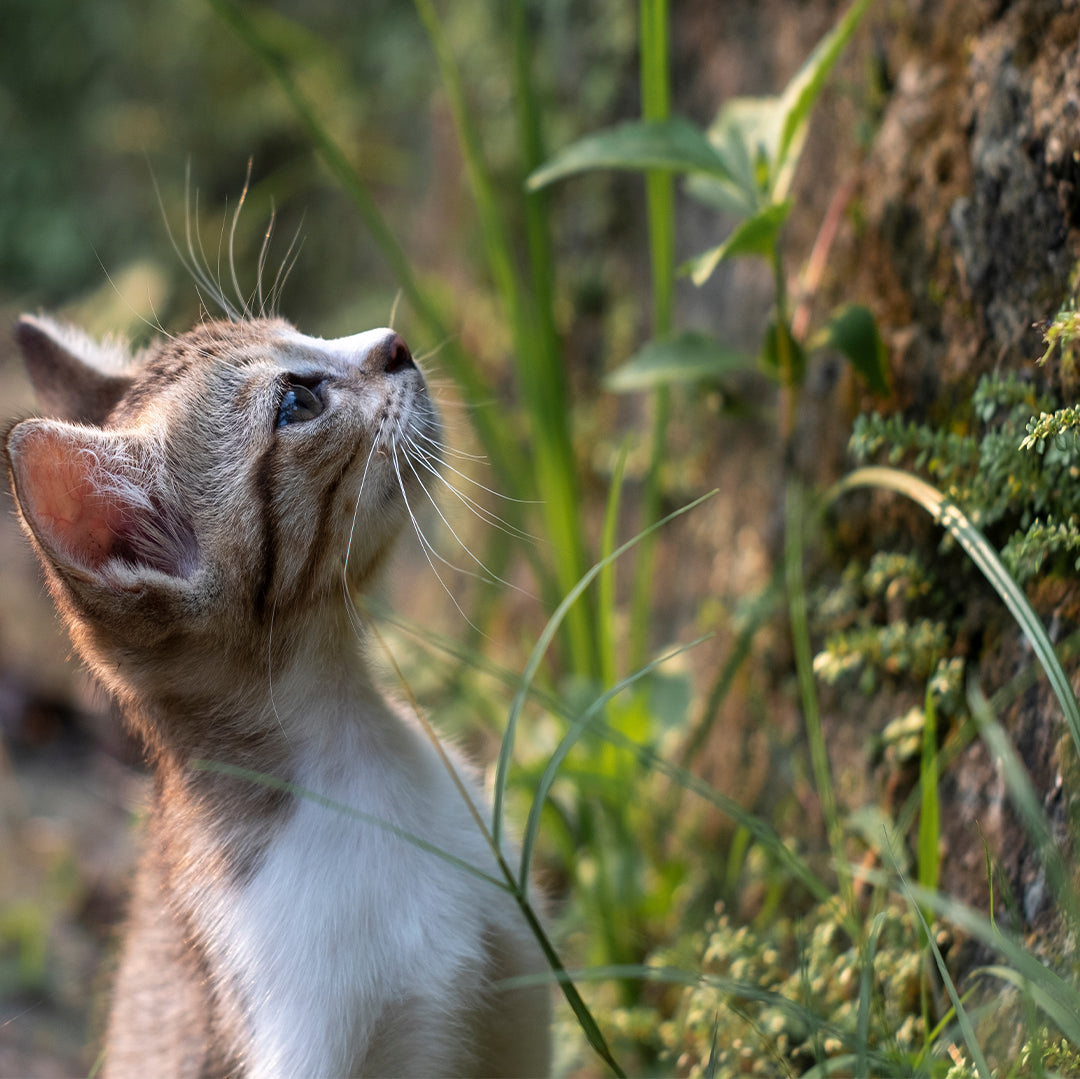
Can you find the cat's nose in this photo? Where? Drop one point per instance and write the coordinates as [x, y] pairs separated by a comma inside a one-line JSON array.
[[390, 356]]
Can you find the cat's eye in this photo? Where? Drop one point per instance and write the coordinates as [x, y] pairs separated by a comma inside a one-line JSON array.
[[298, 405]]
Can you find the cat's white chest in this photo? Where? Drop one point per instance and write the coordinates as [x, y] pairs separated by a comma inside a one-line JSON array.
[[345, 923]]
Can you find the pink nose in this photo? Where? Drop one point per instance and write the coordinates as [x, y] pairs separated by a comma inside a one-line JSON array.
[[390, 356]]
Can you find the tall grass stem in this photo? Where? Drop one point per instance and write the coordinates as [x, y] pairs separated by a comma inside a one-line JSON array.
[[660, 200]]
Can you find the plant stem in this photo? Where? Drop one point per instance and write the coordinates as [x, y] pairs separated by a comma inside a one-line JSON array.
[[543, 371], [800, 635], [660, 196]]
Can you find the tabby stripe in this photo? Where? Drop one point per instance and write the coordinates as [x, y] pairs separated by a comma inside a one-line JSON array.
[[326, 522], [264, 489]]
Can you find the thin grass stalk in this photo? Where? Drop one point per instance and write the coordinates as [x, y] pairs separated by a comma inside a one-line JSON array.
[[761, 610], [606, 612], [660, 200], [533, 664], [567, 743], [1057, 998], [930, 810], [547, 366], [866, 988], [986, 559], [647, 757], [962, 1017], [1027, 803], [538, 363], [800, 634], [735, 990]]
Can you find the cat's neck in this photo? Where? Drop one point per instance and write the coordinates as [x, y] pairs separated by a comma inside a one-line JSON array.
[[229, 777], [255, 701]]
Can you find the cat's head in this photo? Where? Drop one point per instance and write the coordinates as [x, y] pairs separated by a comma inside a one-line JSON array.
[[217, 490]]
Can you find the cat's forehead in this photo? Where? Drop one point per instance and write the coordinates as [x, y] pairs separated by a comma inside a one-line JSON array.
[[218, 359], [237, 347]]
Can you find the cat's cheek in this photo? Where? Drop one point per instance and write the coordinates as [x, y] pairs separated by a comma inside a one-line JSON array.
[[125, 608]]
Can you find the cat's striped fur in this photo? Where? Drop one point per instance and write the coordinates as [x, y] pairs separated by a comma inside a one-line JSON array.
[[203, 512]]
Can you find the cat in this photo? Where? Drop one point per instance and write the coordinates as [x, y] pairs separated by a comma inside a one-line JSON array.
[[203, 511]]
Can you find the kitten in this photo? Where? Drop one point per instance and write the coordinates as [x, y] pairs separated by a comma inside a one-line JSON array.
[[203, 512]]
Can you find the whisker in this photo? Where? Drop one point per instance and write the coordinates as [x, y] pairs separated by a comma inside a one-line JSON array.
[[292, 253], [232, 241], [428, 550], [433, 352], [481, 512], [270, 672], [467, 478], [264, 250], [393, 309], [190, 263], [200, 270], [156, 324], [486, 575], [356, 512], [478, 508], [442, 449]]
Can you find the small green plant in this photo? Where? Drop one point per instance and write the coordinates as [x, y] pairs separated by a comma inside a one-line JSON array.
[[1009, 464], [742, 166]]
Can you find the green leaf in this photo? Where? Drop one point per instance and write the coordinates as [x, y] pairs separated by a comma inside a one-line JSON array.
[[754, 236], [759, 139], [852, 330], [802, 92], [745, 135], [684, 357], [674, 144]]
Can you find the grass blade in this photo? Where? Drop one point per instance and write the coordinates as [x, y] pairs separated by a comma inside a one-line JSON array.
[[986, 558], [962, 1017], [1026, 801], [506, 749], [568, 741], [929, 860], [866, 987], [804, 664], [1068, 1021], [606, 587], [263, 780], [1065, 998], [660, 199], [539, 367]]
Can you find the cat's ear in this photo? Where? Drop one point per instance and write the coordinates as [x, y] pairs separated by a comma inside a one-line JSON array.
[[89, 499], [74, 377]]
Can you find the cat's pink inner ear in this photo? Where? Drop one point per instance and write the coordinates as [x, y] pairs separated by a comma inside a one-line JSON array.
[[70, 506], [85, 498]]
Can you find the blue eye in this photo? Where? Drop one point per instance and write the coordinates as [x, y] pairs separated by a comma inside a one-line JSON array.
[[297, 406]]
